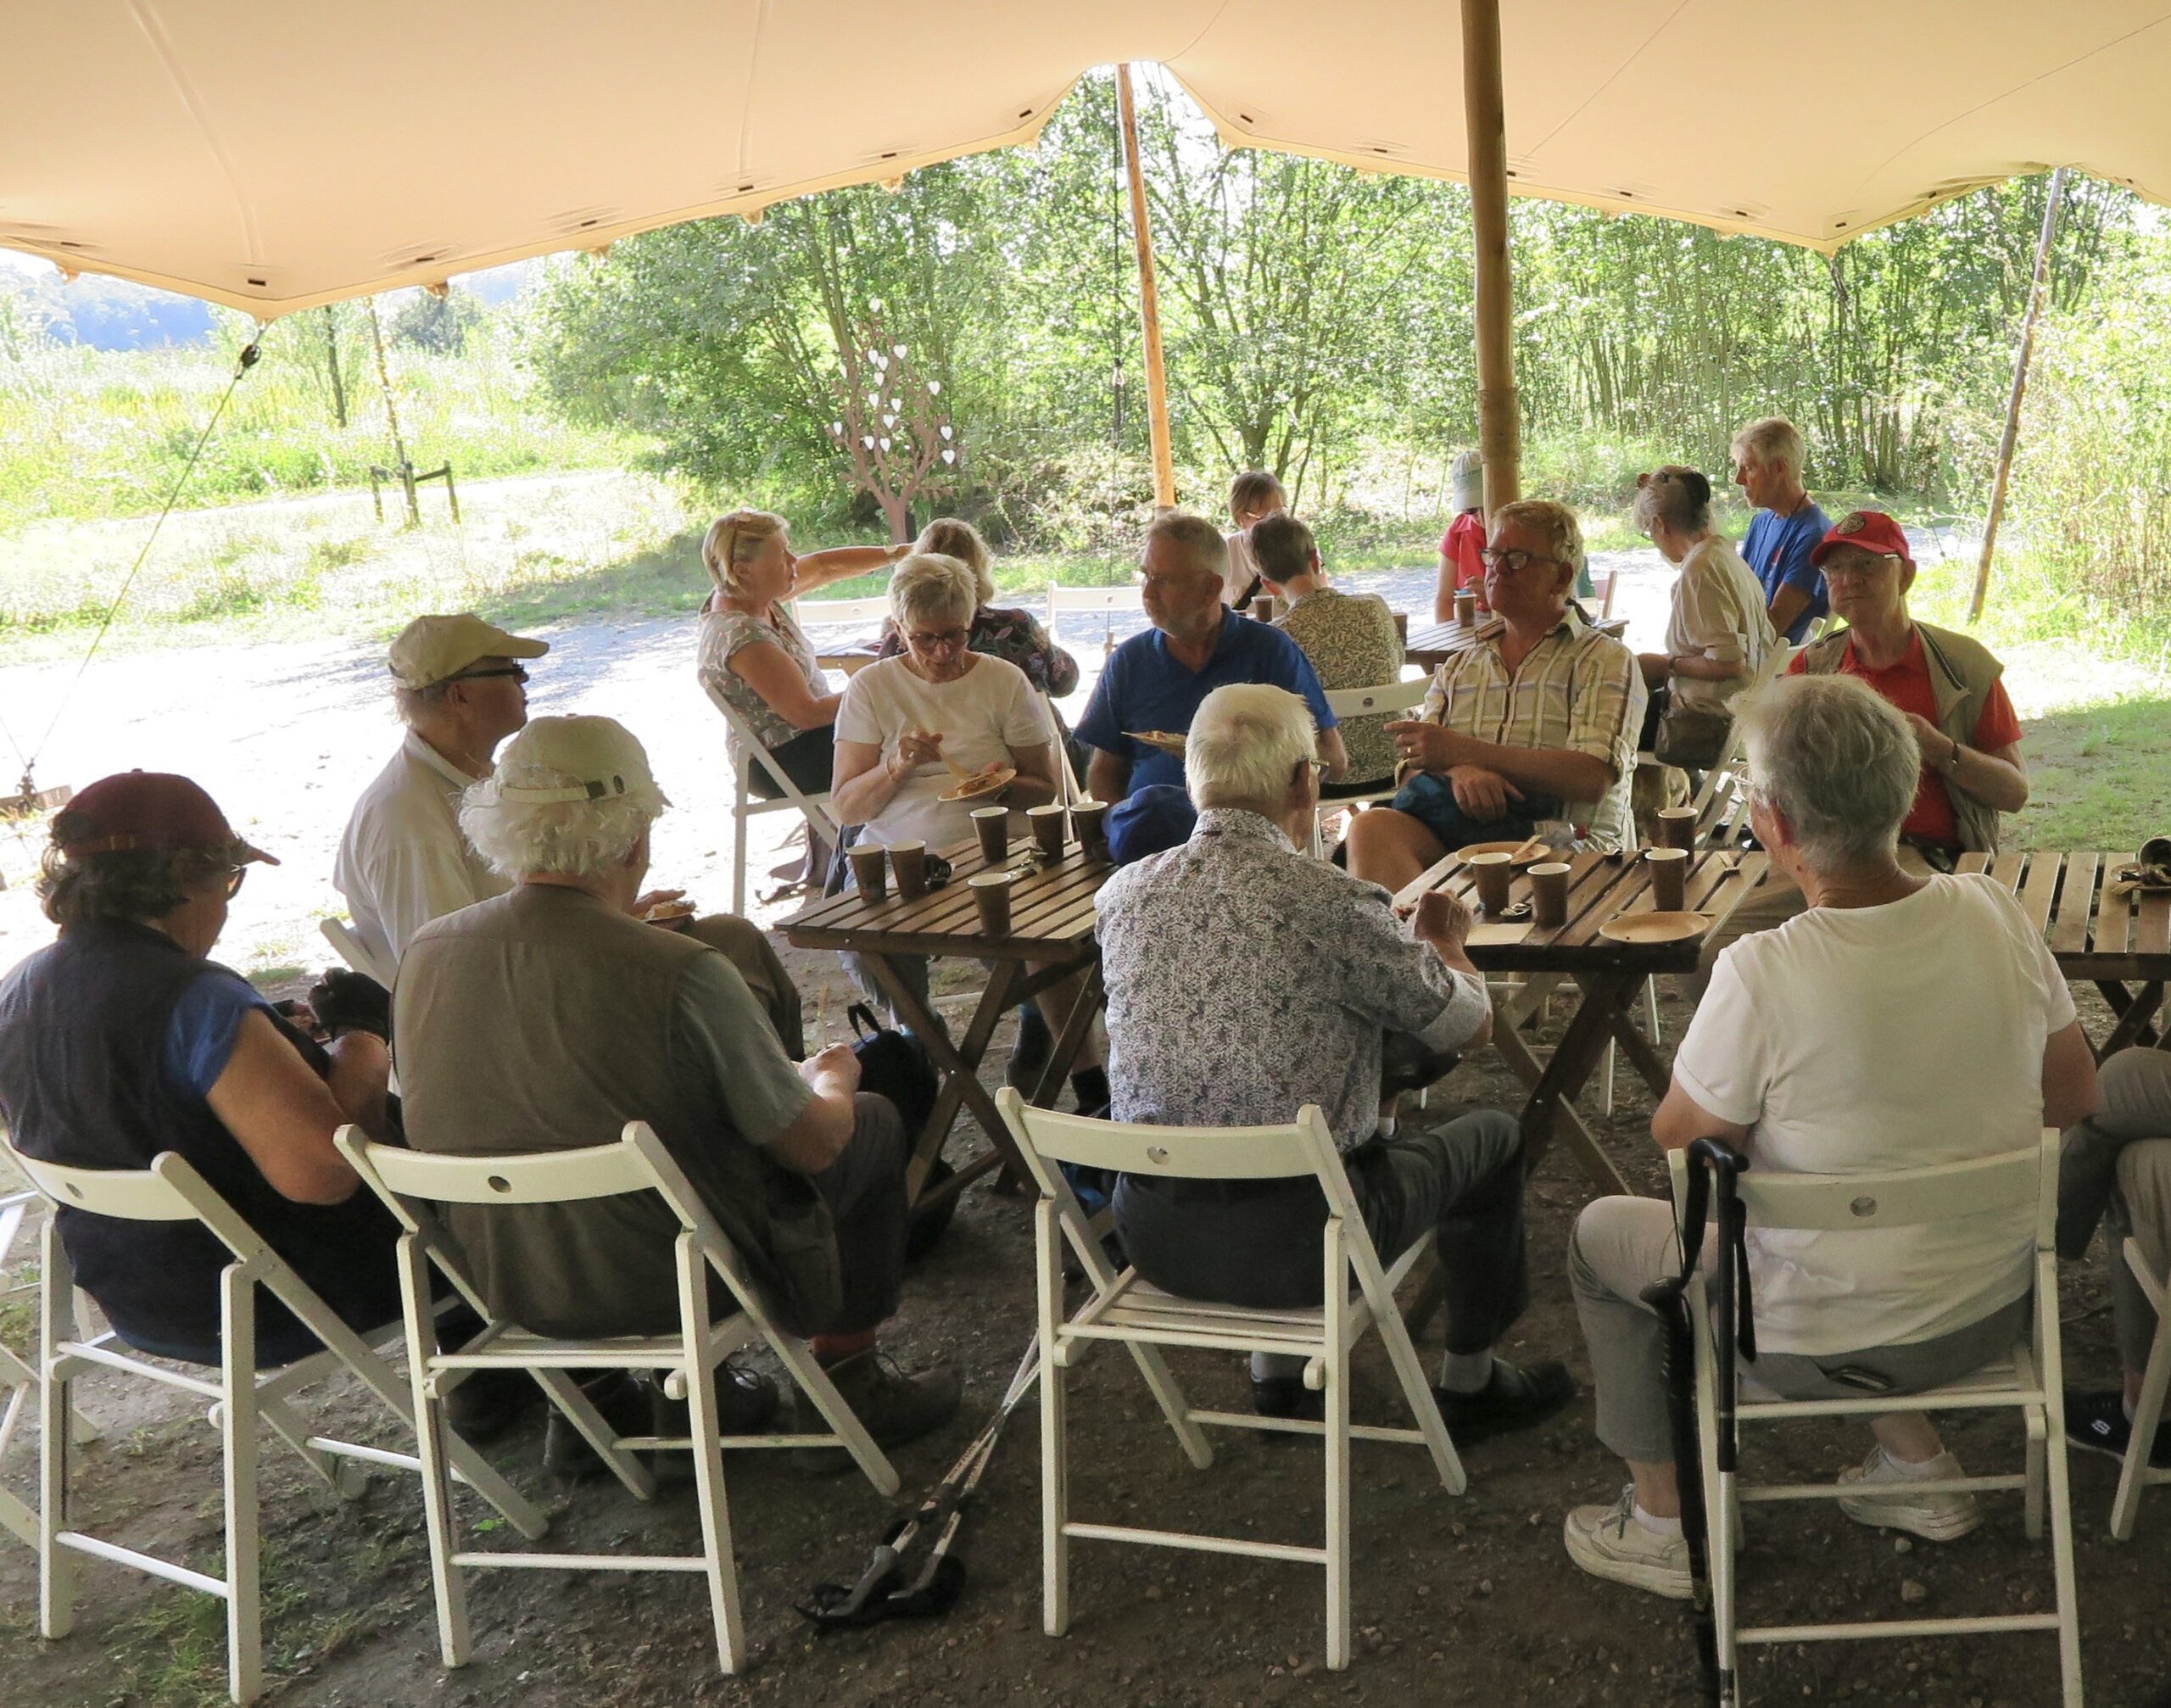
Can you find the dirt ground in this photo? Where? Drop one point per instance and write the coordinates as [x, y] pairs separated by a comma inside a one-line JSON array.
[[1466, 1599]]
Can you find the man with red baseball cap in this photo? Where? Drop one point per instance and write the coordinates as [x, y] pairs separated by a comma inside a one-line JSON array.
[[1947, 684]]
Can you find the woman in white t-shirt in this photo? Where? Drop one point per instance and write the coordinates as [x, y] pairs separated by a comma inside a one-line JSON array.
[[1717, 632], [1900, 1022]]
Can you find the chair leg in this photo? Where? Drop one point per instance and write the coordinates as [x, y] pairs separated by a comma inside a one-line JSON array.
[[1055, 1488], [1409, 1372], [237, 1412], [344, 1477], [1170, 1396], [1336, 1318], [56, 1441], [2125, 1507], [739, 839], [708, 1455], [2031, 1509], [446, 1586]]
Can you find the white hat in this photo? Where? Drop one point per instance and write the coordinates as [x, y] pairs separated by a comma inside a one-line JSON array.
[[602, 757], [430, 649], [1467, 473]]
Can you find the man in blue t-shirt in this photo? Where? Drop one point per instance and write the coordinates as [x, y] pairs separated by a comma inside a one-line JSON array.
[[1155, 681], [1768, 458]]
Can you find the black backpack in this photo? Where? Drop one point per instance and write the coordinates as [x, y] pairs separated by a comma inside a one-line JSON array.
[[896, 1065]]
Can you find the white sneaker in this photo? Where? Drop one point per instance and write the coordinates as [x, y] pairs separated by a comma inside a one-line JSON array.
[[1932, 1516], [1607, 1542]]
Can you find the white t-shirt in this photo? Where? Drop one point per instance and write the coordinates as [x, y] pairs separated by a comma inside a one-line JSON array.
[[1242, 567], [1860, 1040], [402, 861], [981, 716], [1719, 614]]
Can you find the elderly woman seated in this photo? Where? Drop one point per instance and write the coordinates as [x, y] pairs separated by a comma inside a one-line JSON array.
[[1900, 1021], [907, 728], [122, 1039], [1718, 633], [760, 659]]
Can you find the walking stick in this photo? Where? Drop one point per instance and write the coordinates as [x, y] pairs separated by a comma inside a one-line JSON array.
[[1707, 1160]]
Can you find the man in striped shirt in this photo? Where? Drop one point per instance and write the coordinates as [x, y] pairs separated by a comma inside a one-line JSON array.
[[1531, 730]]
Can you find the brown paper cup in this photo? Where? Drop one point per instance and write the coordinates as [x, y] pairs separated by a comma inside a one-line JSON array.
[[869, 870], [1495, 875], [1048, 827], [1402, 627], [992, 894], [992, 824], [1669, 879], [1549, 895], [1089, 820], [1676, 827], [1467, 610], [908, 860]]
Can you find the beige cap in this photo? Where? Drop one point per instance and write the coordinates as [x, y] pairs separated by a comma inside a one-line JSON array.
[[431, 647], [603, 756]]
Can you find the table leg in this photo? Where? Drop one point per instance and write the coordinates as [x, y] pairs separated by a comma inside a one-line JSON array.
[[2135, 1009], [1077, 1028], [958, 1064], [1634, 1045], [1573, 1061]]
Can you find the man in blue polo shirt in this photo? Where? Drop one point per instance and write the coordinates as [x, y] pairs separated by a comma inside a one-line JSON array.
[[1156, 680], [1788, 525]]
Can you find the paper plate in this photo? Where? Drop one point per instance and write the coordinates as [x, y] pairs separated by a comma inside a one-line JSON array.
[[1536, 856], [669, 913], [1167, 741], [980, 786], [1655, 928]]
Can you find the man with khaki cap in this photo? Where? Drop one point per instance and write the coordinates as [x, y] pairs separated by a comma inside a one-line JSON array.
[[460, 687]]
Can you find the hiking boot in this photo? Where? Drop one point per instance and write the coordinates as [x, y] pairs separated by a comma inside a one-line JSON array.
[[624, 1402], [745, 1404], [893, 1408], [1286, 1396], [1511, 1399], [2098, 1422], [1609, 1542], [1029, 1051], [1897, 1505], [489, 1403]]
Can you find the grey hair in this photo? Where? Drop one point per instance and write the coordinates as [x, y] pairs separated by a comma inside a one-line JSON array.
[[1773, 439], [1196, 538], [1679, 497], [1837, 759], [570, 839], [411, 703], [929, 584], [1246, 741], [1556, 522], [952, 537]]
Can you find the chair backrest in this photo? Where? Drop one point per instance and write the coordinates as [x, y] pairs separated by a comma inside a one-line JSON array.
[[1609, 584], [350, 948], [1201, 1153], [128, 1195], [1125, 596], [1372, 702], [1902, 1198], [753, 751], [811, 613], [1066, 778], [1720, 801]]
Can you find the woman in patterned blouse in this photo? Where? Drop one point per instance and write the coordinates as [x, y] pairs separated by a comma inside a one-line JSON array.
[[1000, 632], [1350, 638]]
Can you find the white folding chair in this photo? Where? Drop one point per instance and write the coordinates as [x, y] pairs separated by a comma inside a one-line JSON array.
[[1143, 1318], [1107, 600], [1609, 584], [18, 1379], [1066, 776], [745, 805], [2029, 1378], [1385, 701], [1722, 800], [411, 1184], [822, 613], [170, 1191], [2139, 1474], [350, 949]]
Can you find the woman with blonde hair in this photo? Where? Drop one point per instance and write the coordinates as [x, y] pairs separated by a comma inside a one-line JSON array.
[[756, 658]]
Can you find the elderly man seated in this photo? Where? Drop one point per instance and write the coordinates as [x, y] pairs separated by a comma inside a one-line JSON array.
[[2115, 1168], [1946, 685], [459, 688], [1531, 730], [1902, 1020], [547, 1017], [1246, 980], [1156, 681]]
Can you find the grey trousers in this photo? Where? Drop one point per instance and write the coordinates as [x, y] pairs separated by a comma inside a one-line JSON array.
[[865, 1191], [1256, 1243], [747, 947], [2123, 1151], [1620, 1246]]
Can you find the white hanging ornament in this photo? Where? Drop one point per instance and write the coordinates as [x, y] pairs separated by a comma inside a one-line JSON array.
[[885, 444], [896, 403], [935, 388], [889, 422], [874, 400], [898, 351], [946, 434], [949, 456], [838, 429], [867, 441]]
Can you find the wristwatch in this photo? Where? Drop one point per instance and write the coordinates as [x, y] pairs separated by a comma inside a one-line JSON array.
[[1951, 765]]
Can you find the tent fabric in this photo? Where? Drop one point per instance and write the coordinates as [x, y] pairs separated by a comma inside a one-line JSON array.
[[272, 156]]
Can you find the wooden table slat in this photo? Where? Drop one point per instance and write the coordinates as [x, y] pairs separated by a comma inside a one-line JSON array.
[[2040, 886], [1054, 904], [2076, 904], [2113, 908], [2153, 924], [1971, 862], [2005, 870]]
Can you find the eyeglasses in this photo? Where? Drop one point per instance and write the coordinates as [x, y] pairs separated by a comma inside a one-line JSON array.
[[1512, 561], [512, 670], [1859, 569], [235, 878], [922, 641]]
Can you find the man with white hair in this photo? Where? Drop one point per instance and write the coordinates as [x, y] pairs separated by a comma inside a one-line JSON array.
[[1767, 465], [1222, 1015], [461, 689], [1155, 681], [1531, 731], [547, 1016]]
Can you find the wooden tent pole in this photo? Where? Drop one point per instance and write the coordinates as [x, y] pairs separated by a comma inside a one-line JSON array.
[[2035, 293], [1499, 418], [1149, 301]]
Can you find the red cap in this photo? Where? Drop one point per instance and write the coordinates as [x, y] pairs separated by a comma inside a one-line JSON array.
[[147, 809], [1872, 530]]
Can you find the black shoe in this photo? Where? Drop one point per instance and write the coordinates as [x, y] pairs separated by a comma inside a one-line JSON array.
[[623, 1401], [1408, 1063], [489, 1403], [1029, 1051], [1286, 1396], [2098, 1422], [893, 1408], [1513, 1399]]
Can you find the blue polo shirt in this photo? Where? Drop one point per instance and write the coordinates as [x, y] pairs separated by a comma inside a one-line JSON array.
[[1776, 551], [1145, 688]]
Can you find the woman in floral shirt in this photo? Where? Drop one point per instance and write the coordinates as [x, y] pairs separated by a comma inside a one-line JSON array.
[[1350, 640], [1000, 632]]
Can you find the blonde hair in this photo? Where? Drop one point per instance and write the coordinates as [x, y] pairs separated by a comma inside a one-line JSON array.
[[1556, 522], [732, 540], [947, 535], [1773, 439], [930, 584]]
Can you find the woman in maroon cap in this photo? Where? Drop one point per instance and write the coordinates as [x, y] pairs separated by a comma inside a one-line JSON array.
[[121, 1039]]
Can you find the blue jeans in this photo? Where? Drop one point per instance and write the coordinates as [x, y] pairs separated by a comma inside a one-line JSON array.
[[1431, 800]]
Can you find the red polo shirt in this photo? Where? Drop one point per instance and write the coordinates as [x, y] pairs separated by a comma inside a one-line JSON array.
[[1906, 685]]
